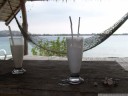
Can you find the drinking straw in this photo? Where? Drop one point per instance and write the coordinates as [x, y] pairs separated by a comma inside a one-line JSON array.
[[71, 26], [11, 35], [78, 27]]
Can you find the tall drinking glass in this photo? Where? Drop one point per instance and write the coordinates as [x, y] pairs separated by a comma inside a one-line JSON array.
[[17, 49], [74, 55]]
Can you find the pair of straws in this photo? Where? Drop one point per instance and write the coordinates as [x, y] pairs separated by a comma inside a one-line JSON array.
[[72, 28]]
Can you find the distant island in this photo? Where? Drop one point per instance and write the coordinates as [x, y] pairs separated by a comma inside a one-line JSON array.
[[6, 33]]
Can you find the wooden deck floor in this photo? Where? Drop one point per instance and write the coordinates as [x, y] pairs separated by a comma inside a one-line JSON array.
[[44, 75]]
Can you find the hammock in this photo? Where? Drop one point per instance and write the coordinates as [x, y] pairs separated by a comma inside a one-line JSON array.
[[95, 40], [89, 43]]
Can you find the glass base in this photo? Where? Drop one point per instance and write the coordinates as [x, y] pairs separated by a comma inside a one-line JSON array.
[[75, 80], [17, 71], [72, 81]]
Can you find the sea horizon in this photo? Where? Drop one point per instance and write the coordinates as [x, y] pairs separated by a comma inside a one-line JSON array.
[[114, 46]]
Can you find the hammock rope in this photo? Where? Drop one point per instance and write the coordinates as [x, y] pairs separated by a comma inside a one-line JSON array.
[[89, 43]]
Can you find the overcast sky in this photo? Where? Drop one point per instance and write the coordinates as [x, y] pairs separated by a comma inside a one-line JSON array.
[[53, 17]]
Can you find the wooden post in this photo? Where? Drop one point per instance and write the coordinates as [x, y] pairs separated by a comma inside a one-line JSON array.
[[24, 24]]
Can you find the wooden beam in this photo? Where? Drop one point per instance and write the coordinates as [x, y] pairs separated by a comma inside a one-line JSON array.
[[24, 24], [17, 9], [12, 16]]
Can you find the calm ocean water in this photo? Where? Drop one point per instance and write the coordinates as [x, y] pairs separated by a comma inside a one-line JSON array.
[[115, 46]]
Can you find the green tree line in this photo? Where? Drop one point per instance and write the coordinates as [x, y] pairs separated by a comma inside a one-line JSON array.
[[55, 45]]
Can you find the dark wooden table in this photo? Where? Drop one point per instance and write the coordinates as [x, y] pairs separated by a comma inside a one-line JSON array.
[[43, 78]]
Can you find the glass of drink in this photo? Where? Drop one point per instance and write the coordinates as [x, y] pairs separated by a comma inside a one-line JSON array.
[[74, 55], [17, 50]]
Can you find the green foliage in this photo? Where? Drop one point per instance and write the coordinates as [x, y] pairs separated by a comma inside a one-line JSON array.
[[54, 45]]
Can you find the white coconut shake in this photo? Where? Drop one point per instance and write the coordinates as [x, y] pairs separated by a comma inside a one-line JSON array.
[[74, 53], [17, 50], [17, 53]]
